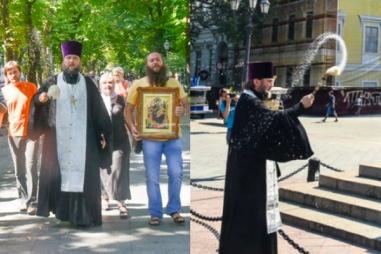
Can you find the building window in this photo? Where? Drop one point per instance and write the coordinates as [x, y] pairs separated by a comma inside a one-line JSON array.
[[291, 27], [289, 76], [198, 61], [371, 39], [309, 24], [274, 36], [370, 83], [210, 59]]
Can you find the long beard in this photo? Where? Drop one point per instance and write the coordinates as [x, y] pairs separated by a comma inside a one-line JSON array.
[[157, 78], [71, 76]]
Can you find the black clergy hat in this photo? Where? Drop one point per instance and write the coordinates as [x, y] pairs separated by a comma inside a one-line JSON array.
[[261, 70]]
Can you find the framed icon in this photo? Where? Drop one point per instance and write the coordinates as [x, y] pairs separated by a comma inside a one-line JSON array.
[[156, 119]]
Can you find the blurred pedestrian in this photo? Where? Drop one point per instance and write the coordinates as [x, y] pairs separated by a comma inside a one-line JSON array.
[[227, 106], [121, 85], [331, 107]]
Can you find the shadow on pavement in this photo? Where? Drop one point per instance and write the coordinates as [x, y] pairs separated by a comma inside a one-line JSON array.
[[133, 235]]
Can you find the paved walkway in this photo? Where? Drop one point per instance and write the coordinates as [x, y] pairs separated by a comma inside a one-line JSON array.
[[344, 145], [20, 233]]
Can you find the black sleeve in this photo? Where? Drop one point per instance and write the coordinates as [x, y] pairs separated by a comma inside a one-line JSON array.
[[102, 123], [39, 112], [276, 135], [286, 138]]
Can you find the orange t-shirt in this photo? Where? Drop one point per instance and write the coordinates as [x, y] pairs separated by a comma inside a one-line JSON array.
[[18, 98]]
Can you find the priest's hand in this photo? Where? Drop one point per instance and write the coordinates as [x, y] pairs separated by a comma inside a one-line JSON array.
[[307, 100], [108, 170], [43, 97], [179, 110]]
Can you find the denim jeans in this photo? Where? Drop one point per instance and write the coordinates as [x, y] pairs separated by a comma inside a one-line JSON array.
[[152, 153]]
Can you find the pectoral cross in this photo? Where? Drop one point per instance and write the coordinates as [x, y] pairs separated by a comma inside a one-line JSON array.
[[73, 101]]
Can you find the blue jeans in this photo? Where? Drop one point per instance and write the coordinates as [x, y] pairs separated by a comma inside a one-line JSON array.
[[152, 153]]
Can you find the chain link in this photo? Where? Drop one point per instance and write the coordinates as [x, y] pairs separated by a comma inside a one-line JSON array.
[[203, 217], [293, 173], [292, 242], [207, 226], [331, 167], [206, 187]]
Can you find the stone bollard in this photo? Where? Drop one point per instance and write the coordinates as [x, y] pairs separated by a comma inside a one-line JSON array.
[[313, 168]]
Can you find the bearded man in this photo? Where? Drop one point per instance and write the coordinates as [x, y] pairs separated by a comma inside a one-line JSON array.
[[251, 215], [153, 149], [68, 110]]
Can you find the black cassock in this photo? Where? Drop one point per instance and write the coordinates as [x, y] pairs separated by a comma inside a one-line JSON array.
[[81, 209], [258, 134]]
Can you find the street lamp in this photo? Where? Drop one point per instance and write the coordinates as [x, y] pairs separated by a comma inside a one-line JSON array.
[[264, 6]]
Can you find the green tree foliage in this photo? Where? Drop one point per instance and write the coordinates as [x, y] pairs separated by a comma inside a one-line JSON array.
[[113, 33]]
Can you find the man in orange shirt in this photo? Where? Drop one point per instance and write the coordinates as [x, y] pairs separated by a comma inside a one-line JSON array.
[[17, 96]]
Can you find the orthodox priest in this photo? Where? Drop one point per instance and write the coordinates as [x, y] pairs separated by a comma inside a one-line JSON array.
[[69, 111], [259, 137]]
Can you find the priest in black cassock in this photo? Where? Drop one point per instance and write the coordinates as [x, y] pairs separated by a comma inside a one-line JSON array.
[[260, 137], [69, 112]]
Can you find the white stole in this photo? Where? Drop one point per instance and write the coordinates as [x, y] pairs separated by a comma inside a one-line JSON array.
[[274, 222], [71, 129]]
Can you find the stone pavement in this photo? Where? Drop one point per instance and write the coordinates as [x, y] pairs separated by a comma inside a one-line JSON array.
[[344, 145], [20, 233]]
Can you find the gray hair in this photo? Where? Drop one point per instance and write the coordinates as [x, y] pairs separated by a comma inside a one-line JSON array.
[[104, 76]]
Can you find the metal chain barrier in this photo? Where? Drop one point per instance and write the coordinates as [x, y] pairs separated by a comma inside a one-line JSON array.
[[292, 242], [207, 226], [206, 187], [293, 173], [330, 167], [203, 217]]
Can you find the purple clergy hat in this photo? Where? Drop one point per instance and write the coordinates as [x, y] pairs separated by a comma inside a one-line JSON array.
[[261, 70], [71, 48]]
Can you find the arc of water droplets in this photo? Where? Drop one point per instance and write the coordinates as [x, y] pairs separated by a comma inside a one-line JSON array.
[[298, 75]]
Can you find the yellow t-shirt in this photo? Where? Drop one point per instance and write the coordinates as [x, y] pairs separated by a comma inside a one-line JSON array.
[[143, 82]]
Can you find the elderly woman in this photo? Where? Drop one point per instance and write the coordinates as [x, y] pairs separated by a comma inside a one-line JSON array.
[[121, 85], [116, 185]]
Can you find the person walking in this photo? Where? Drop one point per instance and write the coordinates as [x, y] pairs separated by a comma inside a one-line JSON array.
[[17, 97], [116, 186]]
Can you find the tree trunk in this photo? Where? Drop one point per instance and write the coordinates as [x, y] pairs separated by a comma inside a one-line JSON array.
[[33, 50], [9, 53]]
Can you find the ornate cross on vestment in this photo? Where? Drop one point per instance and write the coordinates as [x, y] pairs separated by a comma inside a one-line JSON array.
[[73, 101]]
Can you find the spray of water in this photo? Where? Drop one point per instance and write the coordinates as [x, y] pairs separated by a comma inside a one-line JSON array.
[[298, 75]]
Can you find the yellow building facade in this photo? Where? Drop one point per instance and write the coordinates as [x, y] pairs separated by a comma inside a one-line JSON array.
[[359, 24], [288, 32]]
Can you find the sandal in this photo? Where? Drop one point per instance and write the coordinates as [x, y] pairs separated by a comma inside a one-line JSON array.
[[123, 213], [177, 218], [154, 221]]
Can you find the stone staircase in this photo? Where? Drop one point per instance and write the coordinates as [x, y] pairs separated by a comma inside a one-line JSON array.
[[342, 205]]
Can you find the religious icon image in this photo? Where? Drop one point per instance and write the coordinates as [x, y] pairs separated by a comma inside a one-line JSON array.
[[157, 114]]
